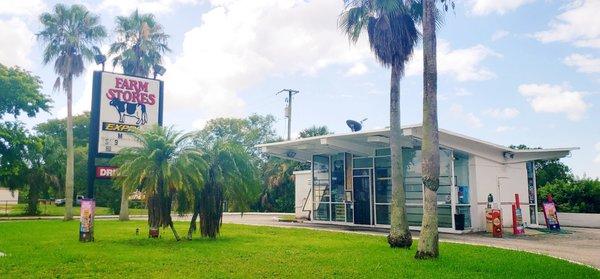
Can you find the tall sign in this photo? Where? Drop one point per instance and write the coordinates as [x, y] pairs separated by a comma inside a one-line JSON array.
[[120, 105]]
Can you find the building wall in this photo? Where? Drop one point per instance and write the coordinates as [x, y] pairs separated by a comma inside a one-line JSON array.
[[503, 181], [7, 196], [585, 220], [302, 189]]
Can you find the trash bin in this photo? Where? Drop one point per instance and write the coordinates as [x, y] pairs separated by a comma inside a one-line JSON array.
[[459, 222]]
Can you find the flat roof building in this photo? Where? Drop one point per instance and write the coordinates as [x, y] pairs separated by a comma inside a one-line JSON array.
[[349, 180]]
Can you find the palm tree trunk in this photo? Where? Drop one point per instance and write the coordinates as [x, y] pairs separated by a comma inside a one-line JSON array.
[[69, 177], [399, 233], [192, 228], [174, 231], [124, 211], [428, 240]]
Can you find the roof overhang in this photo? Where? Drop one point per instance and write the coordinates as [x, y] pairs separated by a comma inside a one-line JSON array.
[[364, 143]]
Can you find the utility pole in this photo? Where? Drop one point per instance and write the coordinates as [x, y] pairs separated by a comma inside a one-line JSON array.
[[288, 109]]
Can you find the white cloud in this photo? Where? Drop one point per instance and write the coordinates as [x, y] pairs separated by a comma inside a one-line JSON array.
[[597, 159], [461, 92], [240, 43], [499, 35], [583, 63], [468, 117], [502, 129], [21, 7], [505, 113], [17, 42], [555, 99], [579, 24], [485, 7], [357, 70], [145, 6], [462, 64]]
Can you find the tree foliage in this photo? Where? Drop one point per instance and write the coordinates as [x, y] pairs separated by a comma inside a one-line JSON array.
[[70, 33], [140, 43], [314, 131], [165, 163], [577, 196], [20, 92], [230, 177], [57, 128]]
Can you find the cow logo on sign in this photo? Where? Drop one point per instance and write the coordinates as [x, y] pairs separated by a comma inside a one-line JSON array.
[[129, 98]]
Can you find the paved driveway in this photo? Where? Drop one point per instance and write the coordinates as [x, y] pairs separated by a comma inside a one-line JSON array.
[[580, 245]]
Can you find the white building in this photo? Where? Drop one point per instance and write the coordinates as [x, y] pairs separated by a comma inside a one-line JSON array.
[[8, 197], [349, 181]]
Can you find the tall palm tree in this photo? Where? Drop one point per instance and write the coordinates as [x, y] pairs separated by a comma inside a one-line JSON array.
[[140, 44], [391, 26], [231, 177], [430, 150], [166, 162], [69, 34]]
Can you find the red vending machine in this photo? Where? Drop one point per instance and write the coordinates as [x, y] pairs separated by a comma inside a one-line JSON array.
[[497, 223]]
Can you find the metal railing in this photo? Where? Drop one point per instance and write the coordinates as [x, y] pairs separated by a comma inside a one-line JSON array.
[[6, 206], [304, 205]]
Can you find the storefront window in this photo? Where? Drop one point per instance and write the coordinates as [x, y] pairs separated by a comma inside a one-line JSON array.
[[321, 187], [461, 176]]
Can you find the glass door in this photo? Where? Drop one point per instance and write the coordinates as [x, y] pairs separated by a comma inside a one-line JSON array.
[[361, 183]]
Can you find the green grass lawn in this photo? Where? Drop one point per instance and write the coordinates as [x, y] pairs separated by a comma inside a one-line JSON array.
[[53, 210], [51, 249]]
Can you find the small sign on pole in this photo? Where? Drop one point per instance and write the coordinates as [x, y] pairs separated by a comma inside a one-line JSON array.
[[86, 226]]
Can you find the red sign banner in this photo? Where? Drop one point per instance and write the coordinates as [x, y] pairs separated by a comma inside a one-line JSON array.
[[106, 172]]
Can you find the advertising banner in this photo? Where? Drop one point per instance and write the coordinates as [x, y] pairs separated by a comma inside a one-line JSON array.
[[86, 225], [551, 215], [125, 103]]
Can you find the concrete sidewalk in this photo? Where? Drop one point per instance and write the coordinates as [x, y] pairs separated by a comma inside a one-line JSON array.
[[580, 245]]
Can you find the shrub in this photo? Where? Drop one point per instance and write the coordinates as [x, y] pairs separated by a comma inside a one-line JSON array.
[[578, 196]]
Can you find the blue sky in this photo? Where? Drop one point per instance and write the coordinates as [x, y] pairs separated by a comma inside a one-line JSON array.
[[510, 72]]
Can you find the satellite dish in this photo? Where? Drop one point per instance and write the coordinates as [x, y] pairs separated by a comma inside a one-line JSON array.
[[355, 126]]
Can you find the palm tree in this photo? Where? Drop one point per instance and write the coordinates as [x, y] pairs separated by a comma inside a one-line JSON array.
[[69, 34], [430, 150], [139, 46], [140, 43], [166, 162], [231, 177], [391, 26]]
